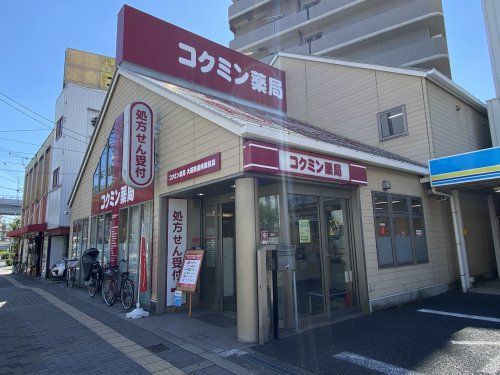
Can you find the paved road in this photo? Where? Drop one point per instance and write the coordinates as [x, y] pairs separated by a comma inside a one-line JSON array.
[[404, 340], [47, 329]]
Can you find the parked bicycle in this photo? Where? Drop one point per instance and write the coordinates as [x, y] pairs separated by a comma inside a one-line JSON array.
[[111, 288], [17, 268], [71, 272], [93, 271]]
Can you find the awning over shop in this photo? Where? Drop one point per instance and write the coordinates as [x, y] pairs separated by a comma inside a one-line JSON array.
[[472, 169], [30, 228]]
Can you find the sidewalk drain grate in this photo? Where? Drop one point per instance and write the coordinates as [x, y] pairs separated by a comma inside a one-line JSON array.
[[158, 348], [271, 365]]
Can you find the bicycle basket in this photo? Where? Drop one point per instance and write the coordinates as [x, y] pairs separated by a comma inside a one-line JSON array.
[[72, 263]]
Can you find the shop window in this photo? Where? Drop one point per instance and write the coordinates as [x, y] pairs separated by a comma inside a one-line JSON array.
[[392, 123], [269, 217], [399, 230], [131, 221], [55, 178], [104, 172], [59, 127]]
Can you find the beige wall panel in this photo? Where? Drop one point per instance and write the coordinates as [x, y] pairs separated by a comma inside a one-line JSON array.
[[455, 131], [388, 281], [346, 100], [478, 238]]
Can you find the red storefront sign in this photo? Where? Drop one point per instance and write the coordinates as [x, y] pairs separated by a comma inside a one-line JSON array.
[[274, 159], [138, 146], [149, 42], [198, 168]]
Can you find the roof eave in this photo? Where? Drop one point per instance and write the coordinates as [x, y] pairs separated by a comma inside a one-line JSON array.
[[296, 140], [447, 84]]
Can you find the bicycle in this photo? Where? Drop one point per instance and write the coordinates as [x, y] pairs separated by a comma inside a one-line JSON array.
[[17, 268], [111, 289], [96, 278], [71, 272]]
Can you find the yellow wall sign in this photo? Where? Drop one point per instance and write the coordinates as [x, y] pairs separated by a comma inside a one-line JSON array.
[[88, 69]]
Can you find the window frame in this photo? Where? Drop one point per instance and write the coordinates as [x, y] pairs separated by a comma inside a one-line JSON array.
[[59, 127], [405, 123], [410, 215], [109, 178], [56, 180]]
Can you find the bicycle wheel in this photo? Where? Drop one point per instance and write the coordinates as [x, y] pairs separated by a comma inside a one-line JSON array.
[[109, 291], [92, 286], [127, 294], [71, 278]]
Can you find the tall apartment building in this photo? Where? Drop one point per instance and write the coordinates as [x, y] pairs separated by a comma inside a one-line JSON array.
[[49, 177], [409, 33]]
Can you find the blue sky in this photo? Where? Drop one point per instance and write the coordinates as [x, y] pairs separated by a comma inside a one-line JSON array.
[[34, 36]]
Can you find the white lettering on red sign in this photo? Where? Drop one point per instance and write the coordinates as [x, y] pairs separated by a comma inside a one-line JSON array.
[[192, 169], [115, 198], [177, 232], [138, 145], [303, 164], [231, 72]]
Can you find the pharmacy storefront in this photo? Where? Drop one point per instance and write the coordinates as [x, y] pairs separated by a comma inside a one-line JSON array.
[[275, 204]]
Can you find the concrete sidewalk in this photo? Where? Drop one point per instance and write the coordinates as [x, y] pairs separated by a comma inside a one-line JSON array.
[[179, 344]]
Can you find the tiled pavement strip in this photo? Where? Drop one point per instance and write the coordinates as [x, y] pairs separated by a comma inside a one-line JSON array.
[[137, 353], [213, 353]]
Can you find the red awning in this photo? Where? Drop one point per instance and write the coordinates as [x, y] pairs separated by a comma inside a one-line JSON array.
[[30, 228]]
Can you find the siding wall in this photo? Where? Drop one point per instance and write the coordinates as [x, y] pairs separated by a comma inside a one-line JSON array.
[[455, 131], [478, 239], [184, 137], [346, 101], [441, 267]]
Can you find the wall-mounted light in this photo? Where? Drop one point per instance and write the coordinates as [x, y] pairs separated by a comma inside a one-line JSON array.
[[200, 194], [386, 185]]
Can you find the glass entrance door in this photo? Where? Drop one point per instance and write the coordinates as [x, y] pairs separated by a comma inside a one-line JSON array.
[[218, 274], [341, 289], [304, 231], [228, 274], [208, 285]]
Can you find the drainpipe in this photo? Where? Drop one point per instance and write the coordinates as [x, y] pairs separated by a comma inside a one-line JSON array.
[[460, 246]]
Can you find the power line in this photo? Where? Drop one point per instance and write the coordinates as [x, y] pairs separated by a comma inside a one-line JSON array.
[[40, 122], [34, 144], [3, 187], [22, 130], [39, 115]]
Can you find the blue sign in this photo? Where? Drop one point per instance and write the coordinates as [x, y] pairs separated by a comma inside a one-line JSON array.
[[463, 168], [178, 298]]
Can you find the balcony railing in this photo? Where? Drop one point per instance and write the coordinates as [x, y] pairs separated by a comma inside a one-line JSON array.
[[331, 40], [241, 6], [290, 21]]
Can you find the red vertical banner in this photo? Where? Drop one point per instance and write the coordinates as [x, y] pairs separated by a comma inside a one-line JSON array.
[[143, 283], [113, 243]]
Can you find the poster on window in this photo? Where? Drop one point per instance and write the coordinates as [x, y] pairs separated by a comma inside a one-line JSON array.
[[176, 244], [304, 231]]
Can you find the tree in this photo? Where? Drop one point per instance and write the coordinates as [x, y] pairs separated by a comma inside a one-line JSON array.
[[14, 242]]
